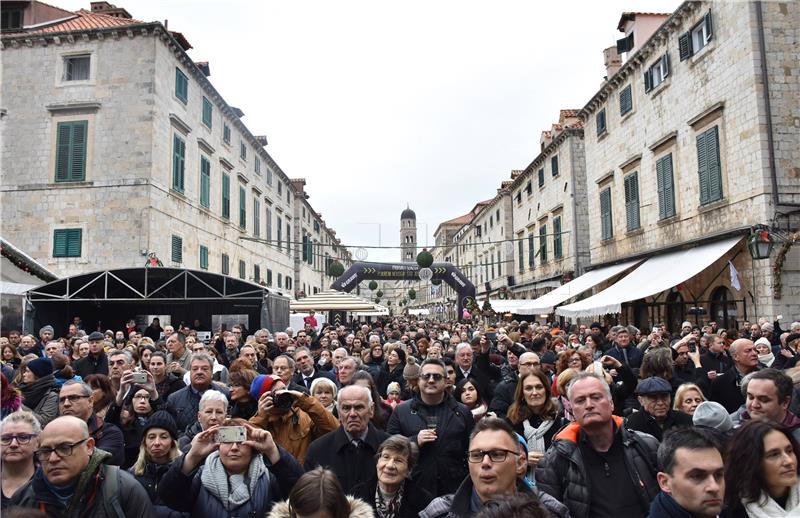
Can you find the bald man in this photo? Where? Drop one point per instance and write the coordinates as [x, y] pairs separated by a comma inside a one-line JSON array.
[[725, 389]]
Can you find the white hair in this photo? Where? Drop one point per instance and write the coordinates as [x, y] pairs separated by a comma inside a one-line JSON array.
[[213, 395], [362, 388], [462, 346]]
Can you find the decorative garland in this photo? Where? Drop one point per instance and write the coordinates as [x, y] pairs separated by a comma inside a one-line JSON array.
[[777, 269], [24, 264]]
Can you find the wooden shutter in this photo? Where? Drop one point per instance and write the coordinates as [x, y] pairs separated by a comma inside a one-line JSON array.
[[707, 20], [666, 191], [554, 165], [714, 167], [557, 249], [242, 207], [226, 196], [205, 182], [543, 243], [685, 45], [178, 161], [531, 252], [625, 100], [648, 80], [78, 153], [600, 118], [177, 249], [226, 266], [521, 247], [63, 151], [541, 177], [605, 214], [67, 242], [702, 168], [665, 65], [632, 201]]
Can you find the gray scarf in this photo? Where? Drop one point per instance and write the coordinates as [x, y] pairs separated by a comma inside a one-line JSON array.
[[233, 490], [535, 438]]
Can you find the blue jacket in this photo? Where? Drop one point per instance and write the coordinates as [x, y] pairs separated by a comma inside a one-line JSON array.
[[635, 356]]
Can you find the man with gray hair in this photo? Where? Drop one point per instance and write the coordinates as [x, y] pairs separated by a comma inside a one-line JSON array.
[[185, 403], [596, 457], [347, 367], [349, 450], [77, 399]]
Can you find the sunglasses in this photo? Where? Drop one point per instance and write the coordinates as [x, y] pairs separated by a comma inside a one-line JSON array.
[[435, 376]]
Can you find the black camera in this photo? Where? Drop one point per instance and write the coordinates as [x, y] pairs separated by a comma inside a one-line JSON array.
[[283, 401]]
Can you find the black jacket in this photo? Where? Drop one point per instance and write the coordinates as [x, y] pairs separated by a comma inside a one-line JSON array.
[[442, 464], [726, 390], [185, 403], [562, 474], [504, 395], [415, 497], [107, 437], [150, 479], [385, 376], [91, 364], [486, 373], [298, 378], [353, 465], [642, 421]]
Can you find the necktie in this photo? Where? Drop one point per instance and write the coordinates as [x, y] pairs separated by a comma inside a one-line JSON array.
[[308, 383], [625, 354]]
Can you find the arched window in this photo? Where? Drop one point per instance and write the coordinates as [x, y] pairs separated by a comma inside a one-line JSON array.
[[723, 308]]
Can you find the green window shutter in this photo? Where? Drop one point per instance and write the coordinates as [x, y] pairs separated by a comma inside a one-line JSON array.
[[226, 196], [256, 218], [554, 165], [269, 226], [181, 85], [205, 182], [702, 168], [543, 244], [226, 264], [541, 177], [242, 208], [226, 133], [178, 163], [269, 277], [666, 189], [557, 249], [177, 249], [714, 166], [305, 248], [600, 119], [605, 214], [208, 112], [242, 269], [625, 100], [531, 252], [71, 140], [67, 242], [521, 245], [256, 273], [632, 201], [203, 258]]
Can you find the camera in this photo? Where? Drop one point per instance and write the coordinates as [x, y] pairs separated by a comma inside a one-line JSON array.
[[231, 434], [139, 377], [283, 401]]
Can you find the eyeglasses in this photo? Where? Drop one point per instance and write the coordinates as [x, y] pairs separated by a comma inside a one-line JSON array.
[[435, 376], [142, 396], [531, 364], [62, 450], [22, 438], [71, 398], [476, 456]]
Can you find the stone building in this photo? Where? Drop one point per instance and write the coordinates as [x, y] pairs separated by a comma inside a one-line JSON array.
[[116, 146], [694, 140], [408, 236]]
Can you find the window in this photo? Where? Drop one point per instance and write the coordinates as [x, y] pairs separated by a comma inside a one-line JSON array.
[[666, 188], [280, 280], [226, 134], [558, 251], [491, 221], [606, 223], [528, 188], [311, 258], [242, 207], [256, 217], [243, 151], [67, 242], [541, 177], [256, 273], [657, 73], [269, 176], [71, 151], [178, 163], [305, 248], [288, 195], [269, 226], [521, 246], [257, 165], [554, 165], [288, 239], [226, 196], [203, 257], [177, 249], [316, 226], [279, 225], [632, 201], [531, 251], [205, 182], [76, 68], [208, 111], [288, 283], [691, 42], [543, 243], [280, 188], [269, 277], [708, 165], [226, 264], [499, 264], [181, 86], [600, 118], [625, 100], [11, 19], [242, 269], [518, 197]]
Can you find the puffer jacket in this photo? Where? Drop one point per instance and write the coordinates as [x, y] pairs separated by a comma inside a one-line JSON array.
[[561, 473], [358, 509]]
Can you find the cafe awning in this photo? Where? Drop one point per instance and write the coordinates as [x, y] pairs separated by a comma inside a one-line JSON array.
[[333, 300], [653, 276], [548, 301], [507, 305]]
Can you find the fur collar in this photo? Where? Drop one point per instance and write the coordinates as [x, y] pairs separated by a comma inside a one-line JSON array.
[[358, 509]]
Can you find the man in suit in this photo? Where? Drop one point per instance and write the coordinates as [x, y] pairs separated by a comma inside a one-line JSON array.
[[472, 361], [349, 451], [306, 373]]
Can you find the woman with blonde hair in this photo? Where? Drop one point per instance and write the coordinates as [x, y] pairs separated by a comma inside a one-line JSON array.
[[158, 449], [325, 391], [687, 398]]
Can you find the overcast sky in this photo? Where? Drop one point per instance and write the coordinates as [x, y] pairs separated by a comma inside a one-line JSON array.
[[378, 104]]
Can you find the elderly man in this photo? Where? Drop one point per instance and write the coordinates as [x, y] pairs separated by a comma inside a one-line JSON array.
[[213, 408], [338, 355], [307, 371], [284, 367], [347, 367], [725, 388], [504, 393], [52, 348], [472, 361], [282, 341], [185, 403], [77, 399], [656, 415], [96, 362], [494, 461], [179, 356], [248, 353], [623, 351], [596, 457], [74, 478], [349, 451]]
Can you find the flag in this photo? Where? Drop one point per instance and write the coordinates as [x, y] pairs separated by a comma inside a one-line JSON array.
[[734, 277]]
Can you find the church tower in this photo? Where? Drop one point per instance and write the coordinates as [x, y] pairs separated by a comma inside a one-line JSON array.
[[408, 236]]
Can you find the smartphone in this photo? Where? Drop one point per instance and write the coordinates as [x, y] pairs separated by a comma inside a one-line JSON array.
[[140, 377], [692, 346], [232, 434]]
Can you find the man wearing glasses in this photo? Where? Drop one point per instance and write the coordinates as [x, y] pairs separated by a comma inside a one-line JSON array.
[[74, 477], [76, 399], [440, 425]]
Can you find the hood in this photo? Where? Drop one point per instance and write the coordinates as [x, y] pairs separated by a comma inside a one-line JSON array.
[[571, 431], [358, 509]]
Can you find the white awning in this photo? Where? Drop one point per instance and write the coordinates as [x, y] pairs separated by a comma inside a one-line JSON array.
[[655, 275], [546, 303], [419, 312], [332, 300], [507, 305]]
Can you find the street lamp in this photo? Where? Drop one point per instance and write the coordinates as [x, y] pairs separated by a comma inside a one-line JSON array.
[[760, 243]]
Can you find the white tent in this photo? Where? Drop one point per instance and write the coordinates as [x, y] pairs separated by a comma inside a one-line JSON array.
[[332, 300]]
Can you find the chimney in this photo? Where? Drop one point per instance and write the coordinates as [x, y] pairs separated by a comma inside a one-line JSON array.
[[612, 61], [109, 9]]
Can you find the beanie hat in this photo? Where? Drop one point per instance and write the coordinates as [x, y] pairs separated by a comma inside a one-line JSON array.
[[393, 387], [41, 367], [595, 324], [764, 341], [711, 414], [548, 357], [767, 328], [686, 324], [792, 337], [47, 328], [411, 371], [161, 419], [263, 383]]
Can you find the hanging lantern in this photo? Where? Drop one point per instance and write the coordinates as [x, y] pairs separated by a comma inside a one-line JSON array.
[[373, 285], [425, 259], [760, 243], [336, 269]]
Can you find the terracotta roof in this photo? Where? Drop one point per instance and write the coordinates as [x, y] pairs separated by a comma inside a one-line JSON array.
[[459, 220], [578, 124], [568, 113], [84, 20]]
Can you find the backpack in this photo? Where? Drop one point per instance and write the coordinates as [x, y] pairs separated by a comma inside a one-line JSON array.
[[111, 492]]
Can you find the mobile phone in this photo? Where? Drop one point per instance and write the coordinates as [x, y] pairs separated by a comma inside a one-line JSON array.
[[692, 346], [140, 377], [232, 434]]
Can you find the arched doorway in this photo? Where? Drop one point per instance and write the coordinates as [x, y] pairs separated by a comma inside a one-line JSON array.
[[675, 311], [723, 308]]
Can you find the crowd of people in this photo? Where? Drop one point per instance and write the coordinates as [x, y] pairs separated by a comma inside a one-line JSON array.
[[402, 418]]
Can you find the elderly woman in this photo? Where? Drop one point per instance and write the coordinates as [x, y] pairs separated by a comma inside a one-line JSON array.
[[687, 398], [393, 494], [19, 437], [39, 390], [325, 391], [221, 479], [159, 447], [213, 408]]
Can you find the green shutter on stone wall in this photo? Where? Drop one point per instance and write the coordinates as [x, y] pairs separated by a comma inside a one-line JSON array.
[[205, 182], [71, 138], [67, 242], [177, 249], [632, 201], [606, 219], [666, 187]]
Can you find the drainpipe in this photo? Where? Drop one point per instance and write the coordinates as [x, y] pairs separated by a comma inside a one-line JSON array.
[[767, 105]]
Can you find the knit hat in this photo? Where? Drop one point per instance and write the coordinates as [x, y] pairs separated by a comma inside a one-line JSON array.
[[41, 367], [96, 335], [767, 328], [595, 325], [518, 349], [686, 324], [393, 387], [792, 337], [411, 371], [263, 383], [47, 328], [161, 419], [711, 414], [764, 341]]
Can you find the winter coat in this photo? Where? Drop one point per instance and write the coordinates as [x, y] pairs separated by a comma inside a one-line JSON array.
[[635, 356], [726, 390], [358, 509], [504, 395], [92, 499], [415, 497], [296, 429], [385, 376], [642, 421], [150, 480], [186, 493], [171, 384], [243, 410], [442, 464], [185, 439], [91, 364], [107, 437], [562, 474], [664, 506], [185, 403], [41, 398]]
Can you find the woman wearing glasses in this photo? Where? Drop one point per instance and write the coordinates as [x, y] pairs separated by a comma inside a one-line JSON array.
[[19, 437], [132, 417]]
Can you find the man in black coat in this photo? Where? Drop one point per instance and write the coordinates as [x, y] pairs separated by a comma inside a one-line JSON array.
[[349, 451], [96, 362], [726, 387], [306, 373], [472, 361], [656, 416]]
